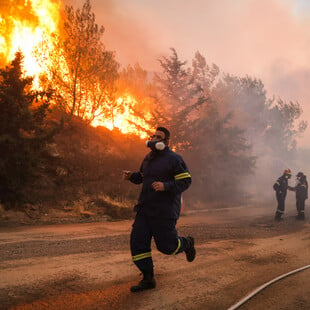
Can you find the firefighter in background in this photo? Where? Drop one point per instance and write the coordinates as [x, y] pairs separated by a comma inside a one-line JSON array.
[[301, 190], [281, 187], [164, 176]]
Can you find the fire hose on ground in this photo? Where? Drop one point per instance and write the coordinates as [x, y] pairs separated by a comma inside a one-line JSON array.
[[259, 289]]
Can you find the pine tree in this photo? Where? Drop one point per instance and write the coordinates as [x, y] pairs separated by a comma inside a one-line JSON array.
[[82, 70], [216, 150], [180, 98], [23, 130]]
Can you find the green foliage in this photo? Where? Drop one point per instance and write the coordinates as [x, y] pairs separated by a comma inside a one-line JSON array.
[[23, 130], [214, 148], [180, 97]]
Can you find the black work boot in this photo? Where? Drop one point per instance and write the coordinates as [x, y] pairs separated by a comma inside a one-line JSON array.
[[148, 282], [278, 217], [190, 251], [300, 216]]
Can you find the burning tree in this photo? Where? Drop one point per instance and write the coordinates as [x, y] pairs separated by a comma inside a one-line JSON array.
[[86, 76], [134, 80], [63, 47], [24, 130], [82, 70], [23, 26]]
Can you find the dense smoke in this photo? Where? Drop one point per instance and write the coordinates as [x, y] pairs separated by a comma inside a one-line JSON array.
[[236, 139]]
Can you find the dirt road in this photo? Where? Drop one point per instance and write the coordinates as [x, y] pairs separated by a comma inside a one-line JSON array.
[[88, 266]]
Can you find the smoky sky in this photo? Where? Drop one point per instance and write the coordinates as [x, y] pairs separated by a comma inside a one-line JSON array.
[[266, 39]]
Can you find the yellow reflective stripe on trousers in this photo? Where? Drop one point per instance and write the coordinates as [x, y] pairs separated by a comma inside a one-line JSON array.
[[178, 247], [141, 256], [182, 175]]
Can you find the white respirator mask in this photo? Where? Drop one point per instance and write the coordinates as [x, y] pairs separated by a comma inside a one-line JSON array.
[[155, 145]]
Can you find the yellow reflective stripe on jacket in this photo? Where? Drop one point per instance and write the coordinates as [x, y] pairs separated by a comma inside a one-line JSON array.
[[141, 256], [178, 247], [182, 175]]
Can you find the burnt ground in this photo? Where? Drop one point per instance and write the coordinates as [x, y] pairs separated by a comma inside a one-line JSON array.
[[88, 266]]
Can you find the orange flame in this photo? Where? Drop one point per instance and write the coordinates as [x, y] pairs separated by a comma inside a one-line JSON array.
[[25, 25], [124, 120]]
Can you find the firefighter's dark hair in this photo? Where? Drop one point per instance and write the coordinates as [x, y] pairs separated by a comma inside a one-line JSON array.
[[165, 131]]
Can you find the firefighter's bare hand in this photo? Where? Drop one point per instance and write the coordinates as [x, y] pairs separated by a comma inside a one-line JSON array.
[[126, 174], [158, 186]]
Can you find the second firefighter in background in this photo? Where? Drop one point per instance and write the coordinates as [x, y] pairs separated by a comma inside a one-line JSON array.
[[301, 190], [281, 187]]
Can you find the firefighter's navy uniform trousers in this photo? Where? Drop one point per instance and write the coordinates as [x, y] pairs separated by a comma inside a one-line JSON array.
[[157, 212], [281, 187]]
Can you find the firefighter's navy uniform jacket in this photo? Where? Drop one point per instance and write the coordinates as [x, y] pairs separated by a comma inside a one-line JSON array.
[[301, 190], [281, 187], [158, 211]]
